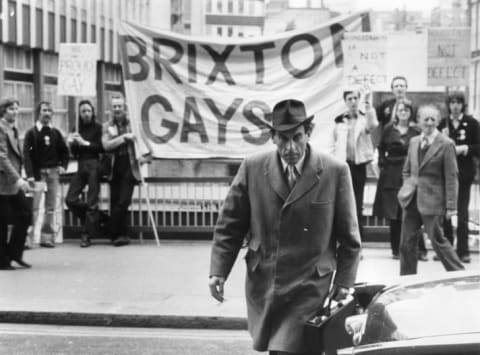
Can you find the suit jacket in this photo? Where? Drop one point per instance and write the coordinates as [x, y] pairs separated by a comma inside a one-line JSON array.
[[112, 140], [364, 151], [10, 160], [434, 181], [468, 133], [292, 242]]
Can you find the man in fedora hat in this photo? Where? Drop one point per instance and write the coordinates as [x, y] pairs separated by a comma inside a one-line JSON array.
[[295, 210]]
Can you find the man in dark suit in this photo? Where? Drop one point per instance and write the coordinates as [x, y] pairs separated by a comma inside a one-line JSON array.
[[298, 210], [15, 208], [464, 130], [429, 193]]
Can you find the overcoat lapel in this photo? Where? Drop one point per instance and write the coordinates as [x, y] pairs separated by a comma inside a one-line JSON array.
[[274, 174], [432, 150]]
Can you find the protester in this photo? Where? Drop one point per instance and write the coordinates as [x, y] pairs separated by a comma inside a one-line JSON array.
[[86, 145], [46, 157], [428, 193], [297, 208], [15, 208], [351, 142], [392, 152], [386, 111], [118, 140]]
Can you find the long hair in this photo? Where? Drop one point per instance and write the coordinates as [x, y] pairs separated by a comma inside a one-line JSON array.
[[456, 96], [408, 104], [89, 103]]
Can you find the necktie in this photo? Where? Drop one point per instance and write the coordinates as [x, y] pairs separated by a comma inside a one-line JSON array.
[[424, 144], [291, 176]]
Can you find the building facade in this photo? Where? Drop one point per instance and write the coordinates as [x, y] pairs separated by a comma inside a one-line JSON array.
[[30, 34]]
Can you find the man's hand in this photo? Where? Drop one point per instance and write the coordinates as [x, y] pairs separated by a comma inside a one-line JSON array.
[[339, 293], [216, 287], [450, 214], [129, 137], [23, 185]]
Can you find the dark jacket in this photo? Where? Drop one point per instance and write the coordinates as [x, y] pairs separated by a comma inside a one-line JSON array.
[[91, 132], [31, 151], [468, 132]]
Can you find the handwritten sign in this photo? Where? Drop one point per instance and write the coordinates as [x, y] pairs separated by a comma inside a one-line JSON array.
[[77, 69], [448, 56], [365, 60]]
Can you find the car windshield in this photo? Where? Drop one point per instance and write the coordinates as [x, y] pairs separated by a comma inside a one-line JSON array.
[[428, 309]]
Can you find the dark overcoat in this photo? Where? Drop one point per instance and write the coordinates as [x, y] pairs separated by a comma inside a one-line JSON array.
[[296, 242]]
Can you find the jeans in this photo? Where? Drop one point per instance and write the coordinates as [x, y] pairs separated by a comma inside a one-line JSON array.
[[121, 191], [87, 175], [50, 176]]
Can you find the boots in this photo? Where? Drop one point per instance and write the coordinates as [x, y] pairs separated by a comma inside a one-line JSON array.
[[85, 241]]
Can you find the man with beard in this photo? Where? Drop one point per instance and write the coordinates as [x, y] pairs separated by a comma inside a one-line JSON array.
[[86, 145]]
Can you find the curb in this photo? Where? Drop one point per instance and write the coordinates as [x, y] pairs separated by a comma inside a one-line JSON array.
[[123, 320]]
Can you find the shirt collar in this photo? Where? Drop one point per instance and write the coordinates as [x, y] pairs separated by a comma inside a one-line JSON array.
[[9, 125], [459, 117], [298, 165], [40, 126], [431, 137]]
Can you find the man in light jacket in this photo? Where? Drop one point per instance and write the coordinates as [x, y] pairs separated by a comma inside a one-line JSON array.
[[351, 141]]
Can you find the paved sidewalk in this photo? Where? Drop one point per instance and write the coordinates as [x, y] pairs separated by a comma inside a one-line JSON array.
[[145, 285]]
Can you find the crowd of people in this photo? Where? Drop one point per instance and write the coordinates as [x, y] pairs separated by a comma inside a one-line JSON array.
[[107, 149], [298, 210], [394, 128]]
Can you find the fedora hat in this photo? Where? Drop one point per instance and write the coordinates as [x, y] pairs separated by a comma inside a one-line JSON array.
[[289, 114]]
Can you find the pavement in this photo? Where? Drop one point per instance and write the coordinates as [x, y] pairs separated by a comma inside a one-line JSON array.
[[142, 285]]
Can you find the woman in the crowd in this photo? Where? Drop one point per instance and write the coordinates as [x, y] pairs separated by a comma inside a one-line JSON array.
[[392, 151]]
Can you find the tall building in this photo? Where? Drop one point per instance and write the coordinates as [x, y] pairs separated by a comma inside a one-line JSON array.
[[31, 32], [474, 88], [285, 15], [450, 13]]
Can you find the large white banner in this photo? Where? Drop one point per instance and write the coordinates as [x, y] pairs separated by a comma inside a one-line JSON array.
[[196, 97]]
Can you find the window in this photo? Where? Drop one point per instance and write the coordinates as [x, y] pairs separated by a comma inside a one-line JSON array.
[[60, 108], [51, 64], [113, 74], [230, 6], [219, 31], [220, 6], [18, 59], [241, 6], [23, 92], [230, 31], [209, 7]]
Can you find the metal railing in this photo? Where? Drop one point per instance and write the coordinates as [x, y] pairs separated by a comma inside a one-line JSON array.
[[191, 205]]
